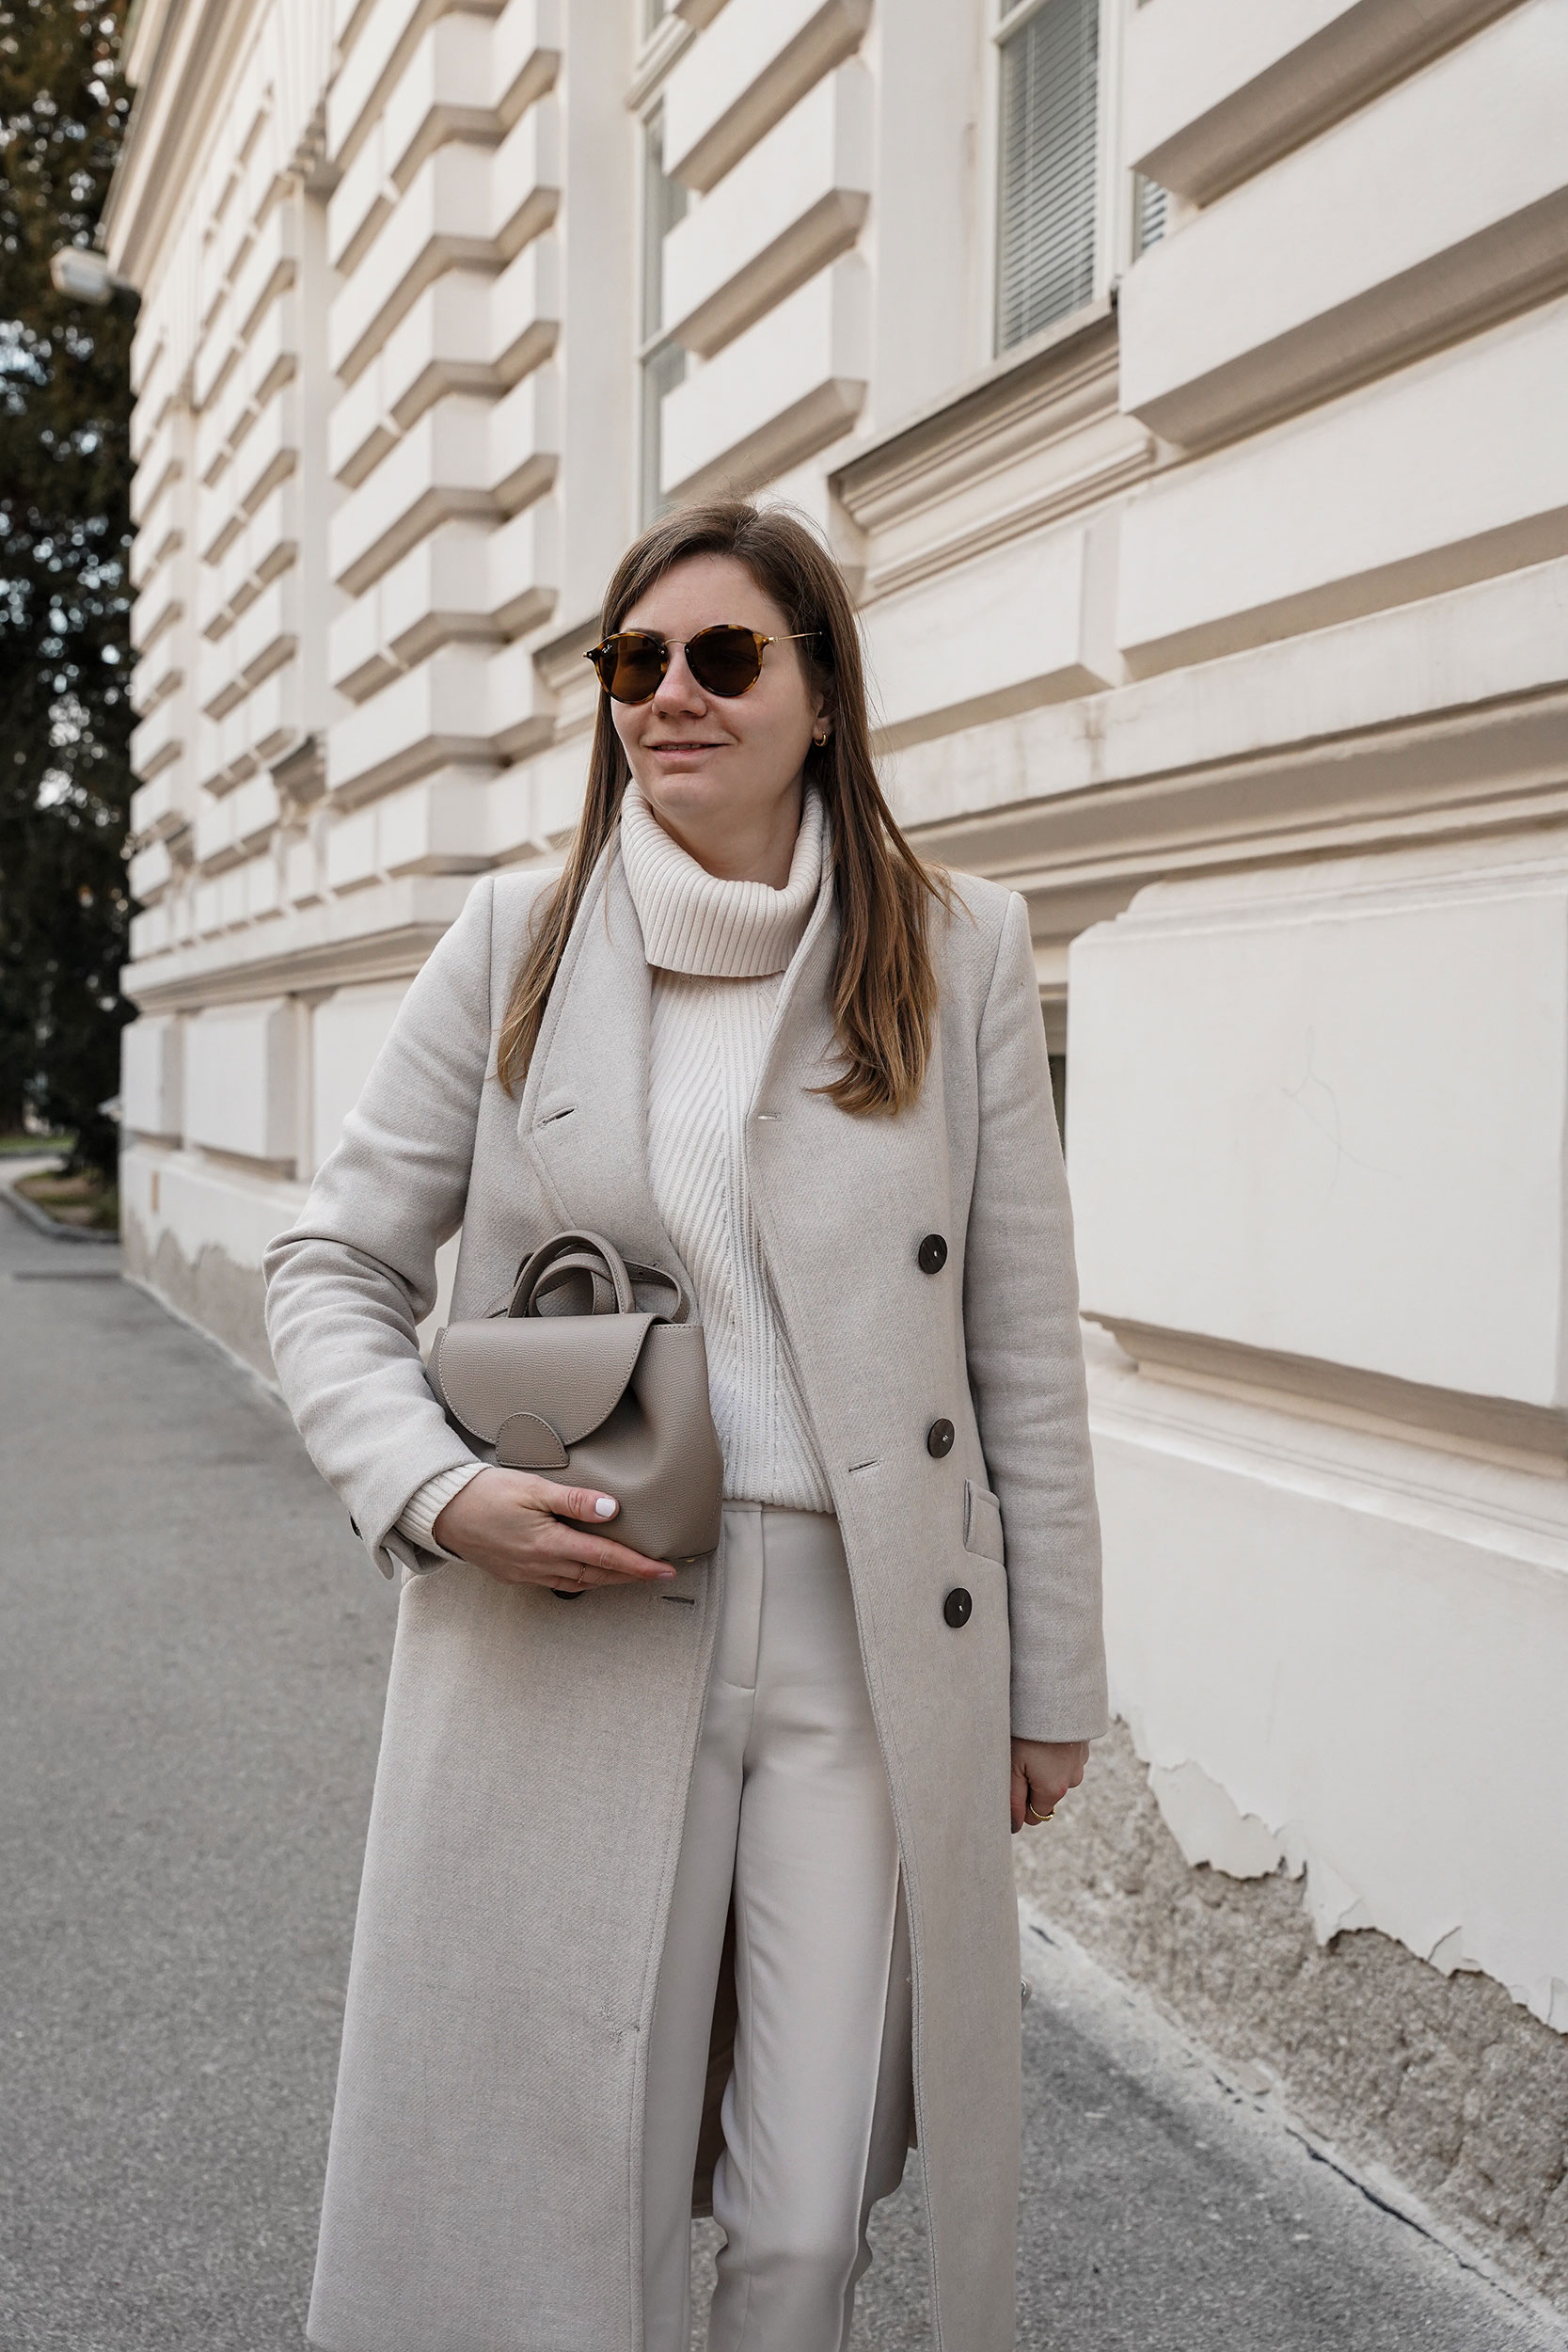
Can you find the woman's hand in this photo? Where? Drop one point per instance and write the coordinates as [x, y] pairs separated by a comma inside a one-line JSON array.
[[1043, 1771], [514, 1526]]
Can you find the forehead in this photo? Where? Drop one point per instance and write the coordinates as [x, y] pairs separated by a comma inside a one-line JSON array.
[[701, 592]]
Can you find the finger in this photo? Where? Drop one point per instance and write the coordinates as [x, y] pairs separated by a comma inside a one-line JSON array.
[[581, 1502], [1019, 1793], [601, 1553]]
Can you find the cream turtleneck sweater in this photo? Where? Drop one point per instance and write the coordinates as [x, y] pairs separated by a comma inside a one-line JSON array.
[[718, 951]]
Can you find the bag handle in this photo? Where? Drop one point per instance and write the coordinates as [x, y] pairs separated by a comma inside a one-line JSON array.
[[573, 1259]]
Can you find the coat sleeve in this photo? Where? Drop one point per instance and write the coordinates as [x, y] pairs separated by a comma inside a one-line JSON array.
[[353, 1278], [1026, 1362]]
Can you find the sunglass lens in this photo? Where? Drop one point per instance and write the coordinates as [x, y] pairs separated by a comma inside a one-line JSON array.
[[630, 666], [725, 661]]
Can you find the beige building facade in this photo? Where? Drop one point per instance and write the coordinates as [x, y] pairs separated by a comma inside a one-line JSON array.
[[1182, 388]]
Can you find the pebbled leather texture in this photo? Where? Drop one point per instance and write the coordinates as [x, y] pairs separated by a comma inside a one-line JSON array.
[[571, 1380], [570, 1370], [527, 1441]]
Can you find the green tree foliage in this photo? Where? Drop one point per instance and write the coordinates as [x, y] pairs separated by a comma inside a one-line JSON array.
[[65, 534]]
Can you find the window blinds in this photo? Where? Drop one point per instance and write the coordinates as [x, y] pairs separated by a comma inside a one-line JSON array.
[[664, 202], [1049, 112]]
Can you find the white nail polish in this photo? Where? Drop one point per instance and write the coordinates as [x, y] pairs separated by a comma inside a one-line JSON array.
[[605, 1508]]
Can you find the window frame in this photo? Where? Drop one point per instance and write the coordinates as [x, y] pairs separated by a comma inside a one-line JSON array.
[[1116, 209], [648, 500]]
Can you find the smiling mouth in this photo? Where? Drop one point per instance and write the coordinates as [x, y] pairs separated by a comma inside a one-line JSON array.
[[684, 746]]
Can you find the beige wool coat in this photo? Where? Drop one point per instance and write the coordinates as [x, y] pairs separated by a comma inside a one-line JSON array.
[[483, 2181]]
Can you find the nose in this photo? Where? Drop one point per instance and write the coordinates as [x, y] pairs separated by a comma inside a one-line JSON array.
[[678, 690]]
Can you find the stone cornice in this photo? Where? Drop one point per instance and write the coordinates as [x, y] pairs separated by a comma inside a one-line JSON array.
[[380, 934], [1066, 373], [1037, 436], [179, 55], [1494, 1428], [1079, 855]]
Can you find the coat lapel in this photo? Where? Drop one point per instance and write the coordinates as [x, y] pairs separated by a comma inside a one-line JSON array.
[[584, 1114], [840, 1199]]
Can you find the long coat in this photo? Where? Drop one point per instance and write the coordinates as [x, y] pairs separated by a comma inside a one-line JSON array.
[[483, 2181]]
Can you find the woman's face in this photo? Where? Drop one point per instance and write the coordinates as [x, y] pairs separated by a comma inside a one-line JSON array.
[[704, 760]]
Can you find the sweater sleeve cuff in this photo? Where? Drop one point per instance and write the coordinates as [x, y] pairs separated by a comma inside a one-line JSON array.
[[421, 1513]]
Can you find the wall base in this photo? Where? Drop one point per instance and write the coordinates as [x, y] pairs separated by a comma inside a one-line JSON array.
[[195, 1233], [221, 1298], [1443, 2079]]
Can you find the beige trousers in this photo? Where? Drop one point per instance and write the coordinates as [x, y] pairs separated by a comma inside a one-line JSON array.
[[788, 1813]]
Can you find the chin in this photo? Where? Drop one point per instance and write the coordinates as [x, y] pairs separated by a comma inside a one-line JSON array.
[[686, 788]]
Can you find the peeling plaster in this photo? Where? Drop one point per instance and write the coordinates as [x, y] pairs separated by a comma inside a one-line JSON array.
[[1441, 2077], [1212, 1829], [1208, 1827], [1449, 1955]]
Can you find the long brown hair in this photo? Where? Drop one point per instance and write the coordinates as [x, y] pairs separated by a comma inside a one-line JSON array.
[[883, 986]]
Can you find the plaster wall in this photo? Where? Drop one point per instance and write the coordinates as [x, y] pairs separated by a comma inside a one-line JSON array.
[[1263, 1574], [347, 1033], [1289, 1129]]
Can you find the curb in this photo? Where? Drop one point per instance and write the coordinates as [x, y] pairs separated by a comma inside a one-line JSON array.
[[42, 1222], [1374, 2181]]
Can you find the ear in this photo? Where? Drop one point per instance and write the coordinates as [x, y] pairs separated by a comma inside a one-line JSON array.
[[822, 724]]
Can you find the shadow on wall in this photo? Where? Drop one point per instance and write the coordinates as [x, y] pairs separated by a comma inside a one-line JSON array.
[[221, 1297], [1443, 2079]]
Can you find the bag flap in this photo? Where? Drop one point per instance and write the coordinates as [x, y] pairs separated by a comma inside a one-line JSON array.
[[570, 1371]]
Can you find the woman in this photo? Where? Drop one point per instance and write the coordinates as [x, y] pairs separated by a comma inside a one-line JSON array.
[[721, 1852]]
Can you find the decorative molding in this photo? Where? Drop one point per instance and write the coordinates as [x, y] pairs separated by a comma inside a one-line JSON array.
[[324, 965], [1080, 855], [1494, 1428], [1061, 375], [763, 94], [1362, 51], [1440, 721], [185, 53], [1510, 266], [671, 39], [300, 776], [1061, 386], [560, 661]]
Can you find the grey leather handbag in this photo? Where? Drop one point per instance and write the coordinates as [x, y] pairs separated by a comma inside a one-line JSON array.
[[568, 1376]]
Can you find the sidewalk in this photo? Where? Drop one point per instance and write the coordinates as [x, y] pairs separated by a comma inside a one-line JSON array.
[[190, 1684]]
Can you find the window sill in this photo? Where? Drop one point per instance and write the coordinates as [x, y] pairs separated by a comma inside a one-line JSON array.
[[891, 470]]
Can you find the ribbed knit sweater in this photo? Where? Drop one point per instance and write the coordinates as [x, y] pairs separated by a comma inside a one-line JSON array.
[[718, 951]]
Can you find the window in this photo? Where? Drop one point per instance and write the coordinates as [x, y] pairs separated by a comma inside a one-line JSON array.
[[663, 362], [1049, 108], [1151, 203]]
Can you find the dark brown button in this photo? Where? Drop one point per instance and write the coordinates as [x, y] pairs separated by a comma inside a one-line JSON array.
[[932, 1254], [958, 1608], [556, 1593], [939, 1439]]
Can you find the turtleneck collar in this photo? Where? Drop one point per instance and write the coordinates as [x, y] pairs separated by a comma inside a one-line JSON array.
[[693, 922]]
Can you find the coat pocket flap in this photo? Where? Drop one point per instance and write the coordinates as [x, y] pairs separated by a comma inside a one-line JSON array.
[[983, 1523], [567, 1371]]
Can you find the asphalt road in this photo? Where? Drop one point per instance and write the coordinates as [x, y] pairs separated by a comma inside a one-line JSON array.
[[193, 1649]]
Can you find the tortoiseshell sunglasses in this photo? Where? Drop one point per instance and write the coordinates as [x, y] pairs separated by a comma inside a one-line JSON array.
[[724, 661]]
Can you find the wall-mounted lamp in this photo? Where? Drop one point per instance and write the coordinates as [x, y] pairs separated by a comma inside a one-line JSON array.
[[83, 276]]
